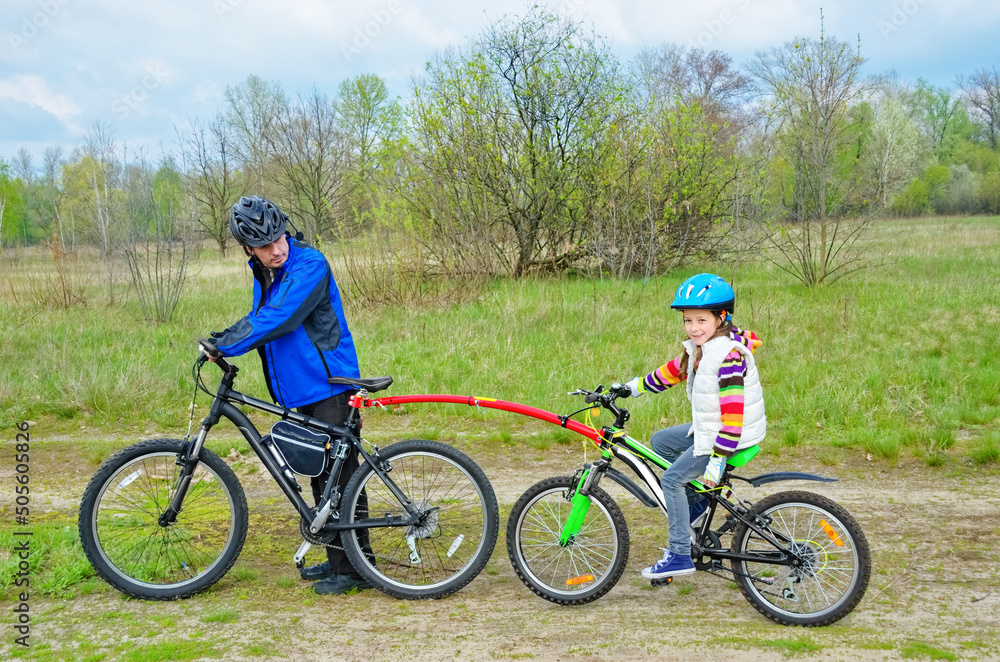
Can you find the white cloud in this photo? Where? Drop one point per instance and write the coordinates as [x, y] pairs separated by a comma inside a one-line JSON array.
[[34, 90]]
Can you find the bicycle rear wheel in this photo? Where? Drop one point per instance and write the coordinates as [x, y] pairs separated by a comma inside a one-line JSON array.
[[585, 569], [454, 537], [836, 568], [121, 534]]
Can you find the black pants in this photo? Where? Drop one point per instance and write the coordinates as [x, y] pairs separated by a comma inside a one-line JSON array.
[[335, 410]]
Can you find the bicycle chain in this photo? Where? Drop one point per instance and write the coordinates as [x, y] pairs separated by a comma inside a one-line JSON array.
[[322, 538]]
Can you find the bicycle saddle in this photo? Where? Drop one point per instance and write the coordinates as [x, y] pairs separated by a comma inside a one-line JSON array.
[[370, 384]]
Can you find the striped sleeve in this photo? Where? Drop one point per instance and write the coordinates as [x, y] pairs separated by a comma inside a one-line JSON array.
[[731, 402], [748, 339], [667, 375]]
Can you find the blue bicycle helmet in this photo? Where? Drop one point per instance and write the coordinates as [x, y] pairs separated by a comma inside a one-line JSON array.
[[705, 292]]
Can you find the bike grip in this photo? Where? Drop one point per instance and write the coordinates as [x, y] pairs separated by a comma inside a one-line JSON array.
[[592, 397], [209, 348]]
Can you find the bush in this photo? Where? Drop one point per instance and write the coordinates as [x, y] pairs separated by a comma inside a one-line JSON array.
[[958, 196], [988, 195], [914, 200]]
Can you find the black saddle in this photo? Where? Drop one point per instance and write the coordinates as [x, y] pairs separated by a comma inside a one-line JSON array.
[[370, 384]]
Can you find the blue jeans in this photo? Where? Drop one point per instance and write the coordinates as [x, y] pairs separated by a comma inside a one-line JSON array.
[[674, 445]]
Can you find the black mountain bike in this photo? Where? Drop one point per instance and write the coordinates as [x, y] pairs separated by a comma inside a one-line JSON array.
[[799, 558], [166, 518]]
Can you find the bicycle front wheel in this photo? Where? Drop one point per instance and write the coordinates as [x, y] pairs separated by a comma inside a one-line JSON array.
[[455, 533], [584, 569], [836, 562], [122, 536]]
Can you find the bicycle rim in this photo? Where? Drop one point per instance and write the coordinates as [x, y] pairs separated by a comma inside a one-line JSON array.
[[580, 566], [451, 533], [130, 538], [831, 566]]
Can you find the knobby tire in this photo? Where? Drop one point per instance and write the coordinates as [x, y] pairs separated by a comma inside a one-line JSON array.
[[120, 531], [835, 576], [457, 532], [585, 569]]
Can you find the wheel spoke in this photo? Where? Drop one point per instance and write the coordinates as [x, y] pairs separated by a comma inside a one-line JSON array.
[[588, 564], [451, 535], [832, 575]]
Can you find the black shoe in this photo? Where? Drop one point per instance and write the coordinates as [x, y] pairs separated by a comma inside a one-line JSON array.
[[340, 584], [315, 572]]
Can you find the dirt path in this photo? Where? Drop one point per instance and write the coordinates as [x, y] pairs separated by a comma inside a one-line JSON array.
[[934, 591]]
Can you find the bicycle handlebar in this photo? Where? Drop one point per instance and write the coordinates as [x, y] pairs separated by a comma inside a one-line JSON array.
[[207, 347], [606, 399]]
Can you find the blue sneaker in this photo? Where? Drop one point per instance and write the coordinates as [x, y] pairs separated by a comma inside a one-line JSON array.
[[671, 565]]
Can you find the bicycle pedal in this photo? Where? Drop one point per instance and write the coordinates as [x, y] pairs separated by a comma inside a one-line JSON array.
[[663, 581]]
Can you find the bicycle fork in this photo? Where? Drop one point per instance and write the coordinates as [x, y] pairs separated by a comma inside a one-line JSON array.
[[590, 476], [188, 459]]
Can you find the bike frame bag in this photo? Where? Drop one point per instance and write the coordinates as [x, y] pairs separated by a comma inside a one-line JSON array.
[[303, 449]]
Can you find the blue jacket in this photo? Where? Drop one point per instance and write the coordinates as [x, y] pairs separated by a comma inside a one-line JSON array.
[[298, 327]]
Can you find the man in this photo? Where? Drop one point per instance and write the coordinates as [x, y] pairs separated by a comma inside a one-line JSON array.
[[297, 326]]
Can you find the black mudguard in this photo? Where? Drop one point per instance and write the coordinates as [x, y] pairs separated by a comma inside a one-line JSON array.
[[763, 479]]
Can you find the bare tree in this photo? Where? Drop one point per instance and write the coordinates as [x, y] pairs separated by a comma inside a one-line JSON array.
[[252, 112], [981, 91], [670, 73], [51, 167], [154, 244], [24, 166], [102, 172], [812, 87], [892, 151], [209, 166], [309, 154]]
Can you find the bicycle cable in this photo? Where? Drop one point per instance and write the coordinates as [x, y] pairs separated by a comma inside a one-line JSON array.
[[195, 377]]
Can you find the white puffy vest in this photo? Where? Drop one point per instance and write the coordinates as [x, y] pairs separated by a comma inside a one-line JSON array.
[[703, 392]]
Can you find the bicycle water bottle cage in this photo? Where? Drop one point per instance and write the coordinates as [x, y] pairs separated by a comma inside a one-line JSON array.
[[303, 449]]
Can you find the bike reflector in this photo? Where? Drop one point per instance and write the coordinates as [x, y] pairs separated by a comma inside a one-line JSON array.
[[582, 579], [830, 532], [303, 449]]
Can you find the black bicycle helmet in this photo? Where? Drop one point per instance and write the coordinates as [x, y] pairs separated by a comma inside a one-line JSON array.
[[256, 221]]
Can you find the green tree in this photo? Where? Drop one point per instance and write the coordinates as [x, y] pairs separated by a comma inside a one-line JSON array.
[[11, 207], [506, 133], [941, 117], [372, 124]]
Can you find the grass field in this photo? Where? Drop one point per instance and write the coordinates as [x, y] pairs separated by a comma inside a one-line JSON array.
[[888, 381], [898, 359]]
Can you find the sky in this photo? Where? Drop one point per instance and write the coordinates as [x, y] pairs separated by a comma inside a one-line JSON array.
[[145, 67]]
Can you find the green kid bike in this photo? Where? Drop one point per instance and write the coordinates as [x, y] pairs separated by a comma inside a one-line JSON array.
[[799, 558]]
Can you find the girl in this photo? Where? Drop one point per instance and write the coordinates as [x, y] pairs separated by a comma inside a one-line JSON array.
[[727, 408]]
